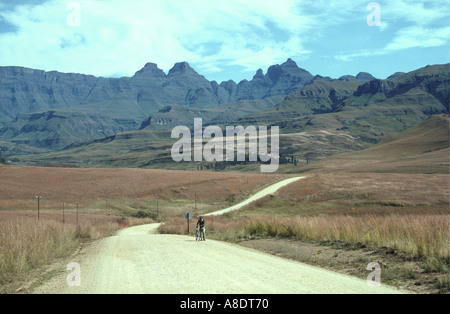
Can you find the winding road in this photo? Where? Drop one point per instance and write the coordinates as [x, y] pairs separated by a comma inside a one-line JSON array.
[[138, 261]]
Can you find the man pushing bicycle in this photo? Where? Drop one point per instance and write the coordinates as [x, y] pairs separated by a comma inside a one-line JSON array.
[[201, 229]]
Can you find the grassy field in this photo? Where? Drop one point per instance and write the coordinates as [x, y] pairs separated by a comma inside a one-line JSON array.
[[125, 189], [417, 236]]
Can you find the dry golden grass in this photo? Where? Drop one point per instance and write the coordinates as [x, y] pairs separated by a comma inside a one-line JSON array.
[[20, 185], [26, 243], [374, 193], [419, 236]]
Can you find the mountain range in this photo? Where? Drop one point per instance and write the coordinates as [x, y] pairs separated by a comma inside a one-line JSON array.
[[127, 121], [113, 105]]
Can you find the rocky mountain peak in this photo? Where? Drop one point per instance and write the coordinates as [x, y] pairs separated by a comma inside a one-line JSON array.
[[181, 68], [365, 77], [259, 74], [290, 64], [288, 69], [150, 69]]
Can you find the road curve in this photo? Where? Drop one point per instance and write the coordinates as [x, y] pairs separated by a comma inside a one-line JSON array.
[[138, 261], [267, 191]]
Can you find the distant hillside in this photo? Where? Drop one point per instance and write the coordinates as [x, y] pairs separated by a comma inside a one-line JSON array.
[[171, 116], [421, 149], [9, 149], [152, 149]]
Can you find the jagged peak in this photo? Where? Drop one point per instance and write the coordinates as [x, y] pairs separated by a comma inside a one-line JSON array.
[[150, 69], [290, 63], [181, 68], [259, 74], [289, 67]]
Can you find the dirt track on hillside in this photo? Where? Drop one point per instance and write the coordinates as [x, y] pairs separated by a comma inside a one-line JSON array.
[[263, 193]]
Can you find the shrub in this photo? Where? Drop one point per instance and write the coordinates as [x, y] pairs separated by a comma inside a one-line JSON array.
[[142, 214]]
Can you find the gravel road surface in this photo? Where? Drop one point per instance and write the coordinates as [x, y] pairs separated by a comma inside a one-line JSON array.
[[137, 261]]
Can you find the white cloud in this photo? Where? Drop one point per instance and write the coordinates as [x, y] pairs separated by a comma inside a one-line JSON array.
[[350, 56], [418, 37], [118, 36], [413, 24], [417, 12], [414, 37]]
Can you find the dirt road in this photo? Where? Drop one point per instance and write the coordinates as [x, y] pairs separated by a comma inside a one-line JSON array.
[[137, 260], [267, 191]]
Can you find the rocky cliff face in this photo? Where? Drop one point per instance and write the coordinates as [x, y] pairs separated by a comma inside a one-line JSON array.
[[434, 80], [57, 129], [23, 90]]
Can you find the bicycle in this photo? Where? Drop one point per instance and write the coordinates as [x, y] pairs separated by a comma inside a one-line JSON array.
[[199, 234]]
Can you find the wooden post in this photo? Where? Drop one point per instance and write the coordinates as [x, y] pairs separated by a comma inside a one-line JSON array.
[[77, 211], [64, 217], [39, 205]]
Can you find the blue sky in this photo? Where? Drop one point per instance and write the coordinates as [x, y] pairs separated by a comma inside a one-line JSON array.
[[223, 40]]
